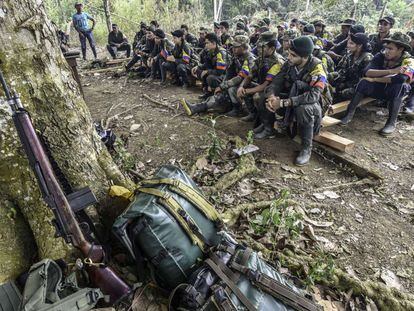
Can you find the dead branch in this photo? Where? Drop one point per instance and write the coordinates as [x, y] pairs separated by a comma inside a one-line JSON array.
[[361, 182], [109, 120], [116, 69], [146, 96]]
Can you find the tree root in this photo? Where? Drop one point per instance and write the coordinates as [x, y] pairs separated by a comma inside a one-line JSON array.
[[245, 166], [385, 298]]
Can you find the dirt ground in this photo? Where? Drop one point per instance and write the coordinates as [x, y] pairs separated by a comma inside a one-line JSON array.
[[370, 228]]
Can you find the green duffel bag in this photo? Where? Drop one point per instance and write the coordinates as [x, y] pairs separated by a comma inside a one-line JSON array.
[[169, 226], [236, 278]]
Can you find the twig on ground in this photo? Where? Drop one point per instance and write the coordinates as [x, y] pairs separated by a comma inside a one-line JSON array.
[[118, 114], [364, 181], [146, 96]]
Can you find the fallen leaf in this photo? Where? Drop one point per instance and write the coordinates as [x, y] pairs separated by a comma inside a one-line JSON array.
[[319, 196], [291, 176], [331, 194], [391, 166], [134, 127], [201, 163], [390, 279]]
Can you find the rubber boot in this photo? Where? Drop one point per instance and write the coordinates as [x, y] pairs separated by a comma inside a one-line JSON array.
[[305, 153], [236, 111], [258, 129], [252, 116], [193, 109], [266, 133], [393, 110], [350, 111]]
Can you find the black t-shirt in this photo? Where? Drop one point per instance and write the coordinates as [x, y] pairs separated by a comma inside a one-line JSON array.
[[115, 38]]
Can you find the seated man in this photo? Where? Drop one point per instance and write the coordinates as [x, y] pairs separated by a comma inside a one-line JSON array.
[[178, 63], [265, 68], [384, 31], [345, 28], [304, 81], [239, 68], [351, 67], [387, 77], [189, 37], [339, 49], [162, 49], [322, 34], [213, 67], [142, 53], [201, 44], [225, 35], [409, 103], [117, 42], [288, 36]]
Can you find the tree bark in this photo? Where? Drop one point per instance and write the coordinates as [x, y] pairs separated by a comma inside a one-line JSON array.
[[107, 7], [34, 65]]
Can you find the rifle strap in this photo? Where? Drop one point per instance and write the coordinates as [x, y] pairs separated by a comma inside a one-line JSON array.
[[276, 289], [229, 283]]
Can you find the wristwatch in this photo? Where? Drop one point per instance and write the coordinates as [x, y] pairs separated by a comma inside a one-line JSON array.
[[284, 103]]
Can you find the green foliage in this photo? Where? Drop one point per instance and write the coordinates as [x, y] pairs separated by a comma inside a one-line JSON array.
[[125, 160], [278, 218], [250, 137], [129, 13], [320, 269], [216, 144]]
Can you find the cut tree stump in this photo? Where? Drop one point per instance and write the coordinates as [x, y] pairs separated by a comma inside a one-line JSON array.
[[334, 141]]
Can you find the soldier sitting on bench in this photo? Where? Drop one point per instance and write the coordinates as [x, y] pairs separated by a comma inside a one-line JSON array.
[[117, 42], [387, 77]]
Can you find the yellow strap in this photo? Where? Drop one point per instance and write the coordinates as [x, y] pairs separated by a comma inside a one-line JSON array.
[[175, 209], [190, 194]]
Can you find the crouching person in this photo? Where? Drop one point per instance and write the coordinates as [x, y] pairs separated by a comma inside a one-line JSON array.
[[265, 69], [238, 69], [117, 42], [178, 63], [213, 67], [304, 80], [387, 77]]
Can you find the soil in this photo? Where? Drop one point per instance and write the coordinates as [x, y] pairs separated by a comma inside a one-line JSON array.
[[372, 227]]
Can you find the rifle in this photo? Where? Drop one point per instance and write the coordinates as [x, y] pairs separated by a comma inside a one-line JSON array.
[[65, 220]]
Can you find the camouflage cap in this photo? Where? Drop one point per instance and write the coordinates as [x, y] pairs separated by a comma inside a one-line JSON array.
[[400, 39], [290, 34], [266, 37], [240, 40]]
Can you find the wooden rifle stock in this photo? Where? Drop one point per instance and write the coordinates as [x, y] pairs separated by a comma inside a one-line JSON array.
[[100, 275]]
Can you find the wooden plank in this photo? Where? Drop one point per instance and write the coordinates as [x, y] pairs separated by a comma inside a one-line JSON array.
[[334, 141], [117, 61], [329, 121], [342, 106]]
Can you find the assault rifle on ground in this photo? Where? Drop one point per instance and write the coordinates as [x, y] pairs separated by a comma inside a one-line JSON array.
[[63, 207]]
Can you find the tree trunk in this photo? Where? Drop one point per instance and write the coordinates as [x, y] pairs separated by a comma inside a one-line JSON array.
[[34, 65], [107, 10]]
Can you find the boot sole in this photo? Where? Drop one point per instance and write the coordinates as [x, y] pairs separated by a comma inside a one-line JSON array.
[[300, 165], [186, 108]]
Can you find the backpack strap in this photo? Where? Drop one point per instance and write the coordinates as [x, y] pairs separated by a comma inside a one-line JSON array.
[[180, 215], [230, 284], [276, 289], [190, 194]]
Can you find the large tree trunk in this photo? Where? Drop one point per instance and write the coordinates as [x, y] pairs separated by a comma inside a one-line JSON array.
[[35, 67]]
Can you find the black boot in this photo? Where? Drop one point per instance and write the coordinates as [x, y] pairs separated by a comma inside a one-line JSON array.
[[258, 129], [305, 153], [193, 109], [350, 111], [393, 110], [266, 133], [205, 95], [236, 111], [250, 117]]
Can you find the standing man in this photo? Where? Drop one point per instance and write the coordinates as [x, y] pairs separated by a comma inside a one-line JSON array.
[[80, 22], [117, 42], [384, 29]]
